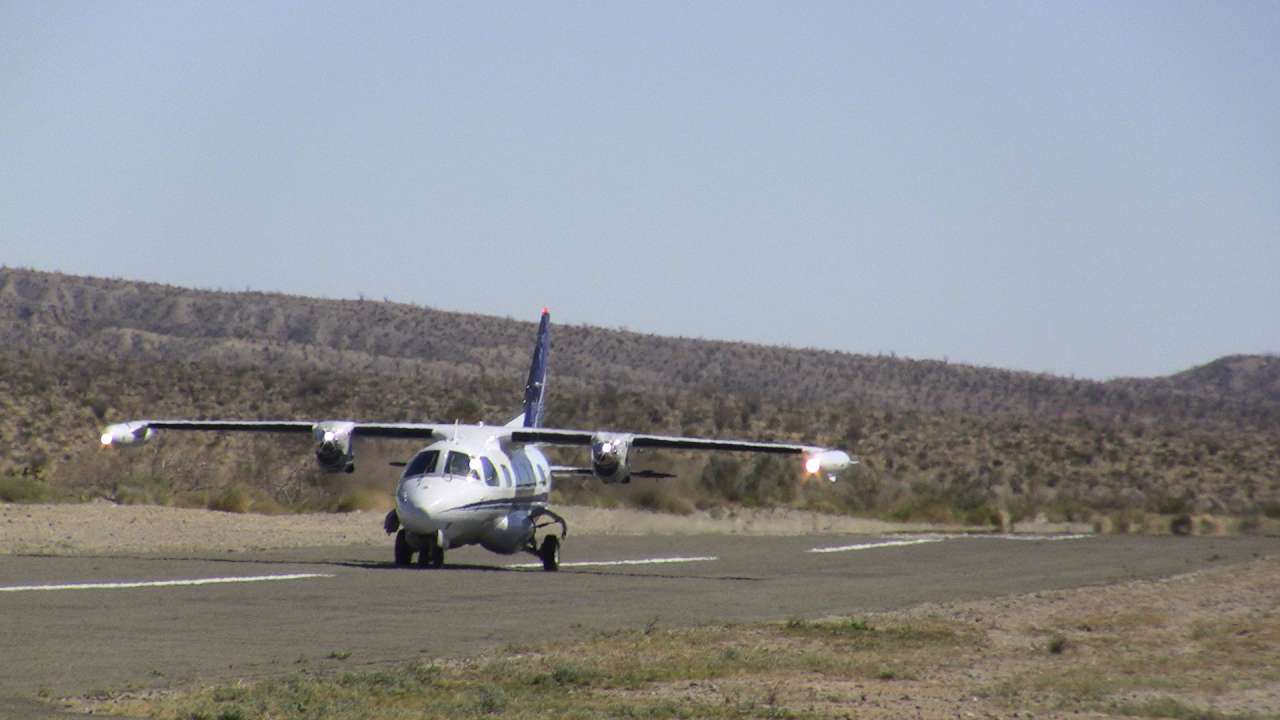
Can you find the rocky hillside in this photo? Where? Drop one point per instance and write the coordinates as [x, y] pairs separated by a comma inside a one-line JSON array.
[[936, 437]]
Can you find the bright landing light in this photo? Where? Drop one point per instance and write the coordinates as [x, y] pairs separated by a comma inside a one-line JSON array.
[[106, 439], [812, 466]]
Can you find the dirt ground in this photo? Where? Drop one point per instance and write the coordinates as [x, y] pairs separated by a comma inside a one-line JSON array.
[[1200, 645]]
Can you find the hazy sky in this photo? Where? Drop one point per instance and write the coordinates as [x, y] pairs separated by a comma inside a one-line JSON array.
[[1081, 188]]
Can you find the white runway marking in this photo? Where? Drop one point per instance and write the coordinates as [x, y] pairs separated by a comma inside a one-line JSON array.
[[1005, 536], [162, 583], [607, 563], [870, 546], [939, 537], [1038, 538]]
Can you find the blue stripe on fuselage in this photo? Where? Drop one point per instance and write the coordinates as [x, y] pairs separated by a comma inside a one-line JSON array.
[[513, 503]]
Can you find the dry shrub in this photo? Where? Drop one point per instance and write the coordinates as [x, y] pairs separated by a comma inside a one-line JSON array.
[[234, 499], [656, 498], [1124, 522], [363, 499], [1208, 525], [18, 488], [1181, 525]]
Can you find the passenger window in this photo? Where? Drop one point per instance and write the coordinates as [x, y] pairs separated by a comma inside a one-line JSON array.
[[458, 464], [506, 476], [524, 471], [423, 463], [490, 473]]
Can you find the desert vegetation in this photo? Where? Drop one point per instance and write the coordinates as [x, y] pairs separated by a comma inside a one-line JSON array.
[[938, 441]]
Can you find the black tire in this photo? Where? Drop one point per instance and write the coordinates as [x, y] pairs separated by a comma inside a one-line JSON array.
[[404, 552], [550, 553], [432, 556]]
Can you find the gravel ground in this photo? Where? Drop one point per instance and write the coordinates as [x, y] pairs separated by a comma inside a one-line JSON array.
[[1199, 645]]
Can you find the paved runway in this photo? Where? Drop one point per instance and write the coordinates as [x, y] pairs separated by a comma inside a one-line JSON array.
[[155, 621]]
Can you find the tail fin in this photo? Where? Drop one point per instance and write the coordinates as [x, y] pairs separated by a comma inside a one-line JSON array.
[[535, 390]]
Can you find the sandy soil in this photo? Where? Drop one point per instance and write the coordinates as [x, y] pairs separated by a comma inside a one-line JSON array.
[[103, 527], [1206, 644]]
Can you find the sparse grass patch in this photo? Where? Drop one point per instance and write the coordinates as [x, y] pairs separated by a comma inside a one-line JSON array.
[[632, 673], [362, 498], [239, 498], [1167, 707], [1057, 645], [1146, 651], [24, 489], [226, 694], [143, 490], [656, 498], [234, 499]]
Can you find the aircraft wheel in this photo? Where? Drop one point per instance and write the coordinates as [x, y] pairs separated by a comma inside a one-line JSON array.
[[550, 553], [432, 556], [426, 553], [404, 553]]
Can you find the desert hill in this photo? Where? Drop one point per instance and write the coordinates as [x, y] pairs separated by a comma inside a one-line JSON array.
[[936, 437], [138, 320]]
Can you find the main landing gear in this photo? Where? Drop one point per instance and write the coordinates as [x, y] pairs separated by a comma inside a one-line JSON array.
[[549, 551]]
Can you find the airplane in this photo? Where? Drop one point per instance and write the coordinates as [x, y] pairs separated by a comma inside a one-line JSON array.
[[483, 484]]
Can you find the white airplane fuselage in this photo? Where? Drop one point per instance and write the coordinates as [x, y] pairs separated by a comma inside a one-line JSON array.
[[481, 484], [470, 489]]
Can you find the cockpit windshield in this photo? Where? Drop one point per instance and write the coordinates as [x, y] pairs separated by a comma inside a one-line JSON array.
[[459, 463], [424, 463]]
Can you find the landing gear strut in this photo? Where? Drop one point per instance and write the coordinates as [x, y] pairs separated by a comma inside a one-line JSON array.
[[431, 556], [549, 552]]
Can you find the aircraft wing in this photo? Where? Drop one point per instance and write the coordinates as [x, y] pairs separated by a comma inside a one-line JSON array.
[[134, 431], [584, 438], [613, 447]]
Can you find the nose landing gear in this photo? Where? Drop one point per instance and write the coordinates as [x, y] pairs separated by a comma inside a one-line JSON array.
[[431, 554]]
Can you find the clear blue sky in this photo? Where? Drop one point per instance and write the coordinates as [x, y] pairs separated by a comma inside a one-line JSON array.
[[1082, 188]]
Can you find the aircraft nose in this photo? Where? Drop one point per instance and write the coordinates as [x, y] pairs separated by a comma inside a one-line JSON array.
[[418, 511]]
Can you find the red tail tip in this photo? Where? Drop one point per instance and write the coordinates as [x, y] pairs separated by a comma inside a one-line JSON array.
[[546, 311]]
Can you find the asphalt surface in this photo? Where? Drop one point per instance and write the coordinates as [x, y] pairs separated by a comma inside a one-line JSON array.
[[355, 609]]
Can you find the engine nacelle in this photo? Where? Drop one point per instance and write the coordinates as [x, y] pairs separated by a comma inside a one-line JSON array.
[[609, 457], [827, 462], [130, 433], [333, 446]]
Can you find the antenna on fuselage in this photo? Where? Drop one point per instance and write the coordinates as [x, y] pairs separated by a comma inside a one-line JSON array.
[[455, 430]]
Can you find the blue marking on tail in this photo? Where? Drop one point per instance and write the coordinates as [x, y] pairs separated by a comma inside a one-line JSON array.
[[535, 390]]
